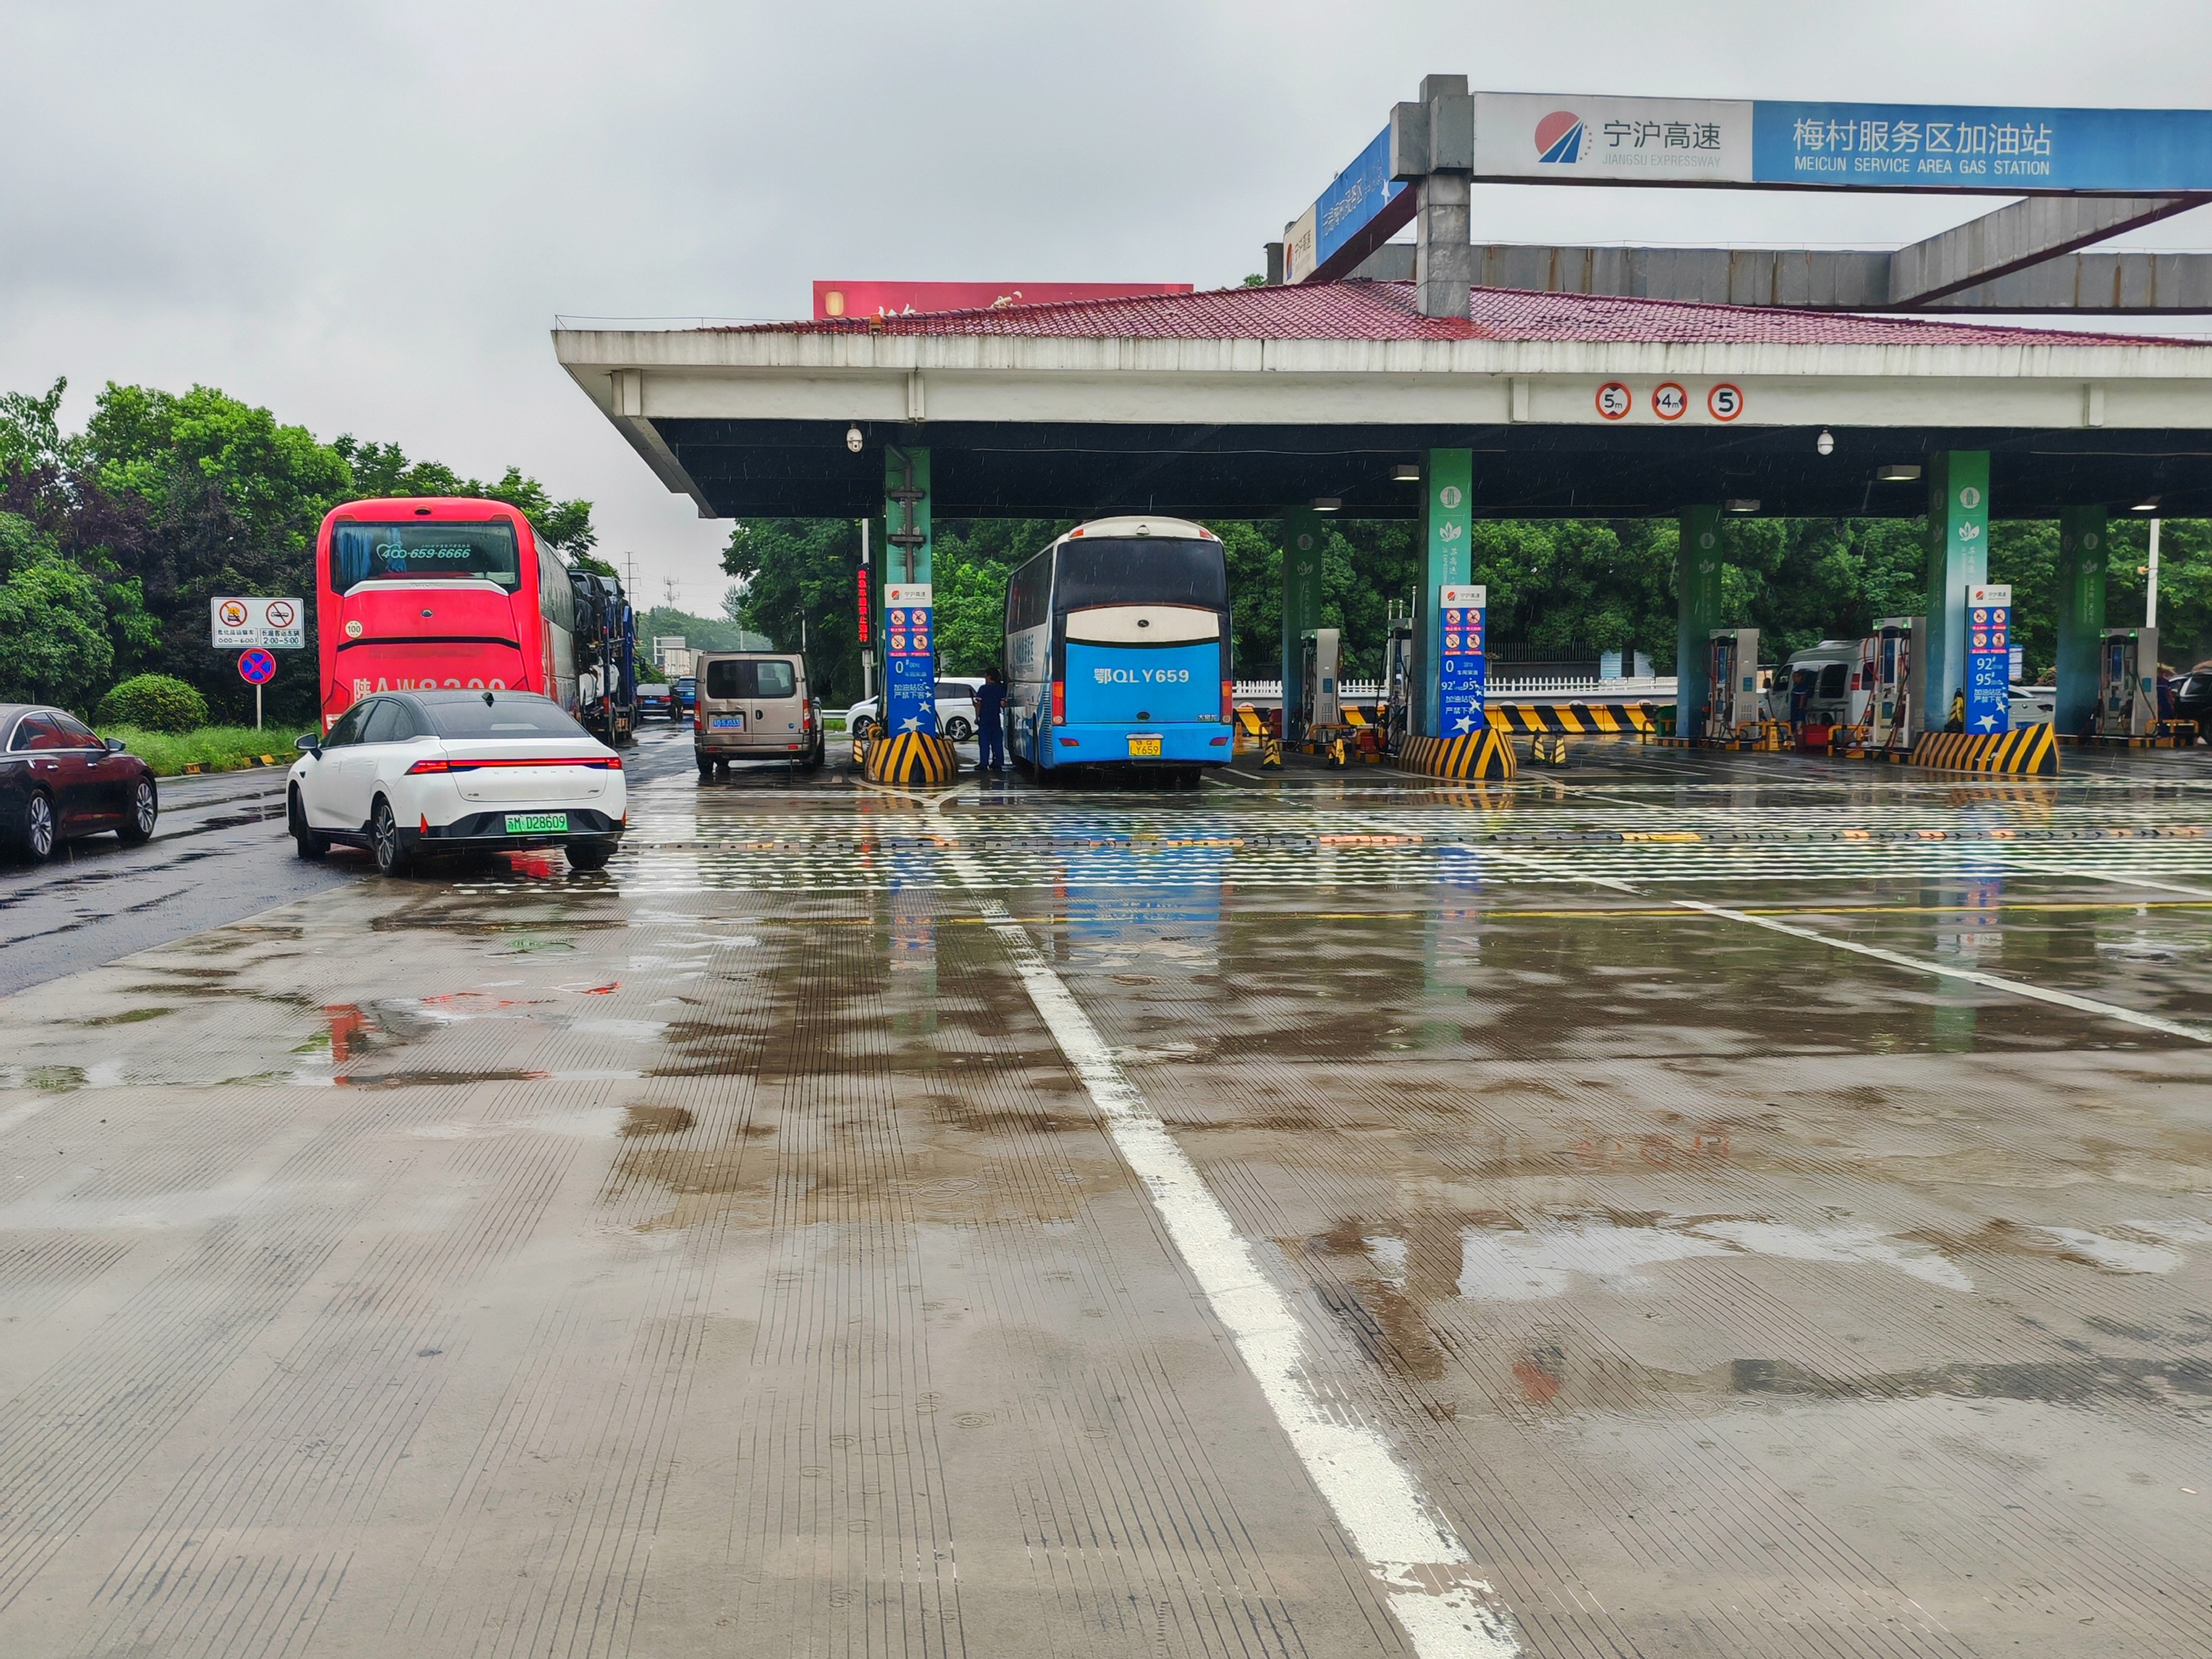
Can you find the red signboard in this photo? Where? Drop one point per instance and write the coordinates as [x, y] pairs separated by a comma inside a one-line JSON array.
[[864, 605], [897, 298]]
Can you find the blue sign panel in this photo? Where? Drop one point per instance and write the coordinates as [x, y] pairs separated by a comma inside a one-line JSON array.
[[1460, 661], [1354, 197], [909, 659], [1988, 658], [1954, 147]]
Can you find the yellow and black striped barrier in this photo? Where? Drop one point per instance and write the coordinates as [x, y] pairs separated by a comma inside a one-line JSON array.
[[2032, 751], [1479, 755], [1576, 720], [910, 758]]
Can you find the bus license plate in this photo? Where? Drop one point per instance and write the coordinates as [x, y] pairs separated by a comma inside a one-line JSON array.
[[1143, 748], [727, 723], [533, 823]]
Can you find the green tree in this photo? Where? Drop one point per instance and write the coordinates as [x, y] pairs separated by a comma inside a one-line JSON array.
[[55, 621], [795, 569]]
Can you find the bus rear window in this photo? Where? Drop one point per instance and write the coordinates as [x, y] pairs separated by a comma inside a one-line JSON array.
[[515, 716], [1131, 572], [372, 552]]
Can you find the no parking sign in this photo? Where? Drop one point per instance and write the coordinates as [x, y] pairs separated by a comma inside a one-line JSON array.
[[256, 667]]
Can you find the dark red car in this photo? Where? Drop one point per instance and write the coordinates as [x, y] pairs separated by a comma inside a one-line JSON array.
[[59, 780]]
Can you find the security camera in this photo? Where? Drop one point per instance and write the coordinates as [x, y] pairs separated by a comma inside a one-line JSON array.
[[853, 438], [1826, 443]]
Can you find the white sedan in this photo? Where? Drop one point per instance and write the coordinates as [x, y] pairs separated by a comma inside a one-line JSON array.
[[956, 710], [409, 774]]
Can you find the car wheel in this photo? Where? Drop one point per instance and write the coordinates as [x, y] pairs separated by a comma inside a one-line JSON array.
[[958, 730], [305, 842], [589, 855], [34, 833], [383, 834], [145, 808]]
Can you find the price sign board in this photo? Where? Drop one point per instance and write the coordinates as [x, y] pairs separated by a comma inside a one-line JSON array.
[[237, 622], [910, 655], [1989, 658], [1461, 666]]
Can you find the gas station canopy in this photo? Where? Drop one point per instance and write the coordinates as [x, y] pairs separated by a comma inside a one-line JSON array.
[[1241, 401]]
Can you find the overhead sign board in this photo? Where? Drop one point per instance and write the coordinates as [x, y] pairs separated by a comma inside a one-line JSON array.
[[835, 298], [1567, 138], [1349, 203], [236, 623]]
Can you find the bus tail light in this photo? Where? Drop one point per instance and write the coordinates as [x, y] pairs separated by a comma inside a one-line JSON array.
[[1228, 700], [1059, 702]]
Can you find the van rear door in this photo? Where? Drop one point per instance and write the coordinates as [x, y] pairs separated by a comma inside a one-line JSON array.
[[725, 710], [778, 705]]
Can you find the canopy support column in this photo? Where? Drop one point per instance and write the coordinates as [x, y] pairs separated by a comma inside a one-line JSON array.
[[1448, 526], [1698, 612], [1958, 557], [2082, 549], [1302, 551]]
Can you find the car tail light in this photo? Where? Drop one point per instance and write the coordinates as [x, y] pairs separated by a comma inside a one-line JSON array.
[[1059, 702], [422, 767], [1228, 700], [425, 826]]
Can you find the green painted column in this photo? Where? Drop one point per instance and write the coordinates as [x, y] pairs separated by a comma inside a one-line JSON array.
[[1447, 536], [2082, 550], [1302, 546], [1958, 555], [1698, 611], [909, 636]]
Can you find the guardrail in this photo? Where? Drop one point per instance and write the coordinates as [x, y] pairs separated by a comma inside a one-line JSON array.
[[1627, 690]]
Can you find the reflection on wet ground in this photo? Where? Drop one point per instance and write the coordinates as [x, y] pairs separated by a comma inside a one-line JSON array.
[[752, 1249]]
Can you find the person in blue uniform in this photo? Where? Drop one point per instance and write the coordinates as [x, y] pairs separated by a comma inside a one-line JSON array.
[[990, 723]]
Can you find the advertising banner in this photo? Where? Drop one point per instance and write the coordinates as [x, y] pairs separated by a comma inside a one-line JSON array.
[[1989, 658], [1354, 198], [1465, 611], [238, 623], [910, 657]]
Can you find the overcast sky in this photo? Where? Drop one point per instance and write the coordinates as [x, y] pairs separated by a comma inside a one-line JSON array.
[[366, 217]]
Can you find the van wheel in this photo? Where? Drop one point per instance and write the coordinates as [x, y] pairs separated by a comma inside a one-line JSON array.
[[706, 770]]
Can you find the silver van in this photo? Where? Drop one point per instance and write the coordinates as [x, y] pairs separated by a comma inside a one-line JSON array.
[[753, 706]]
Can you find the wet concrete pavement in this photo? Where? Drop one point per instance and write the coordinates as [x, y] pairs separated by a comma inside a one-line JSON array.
[[1317, 1215]]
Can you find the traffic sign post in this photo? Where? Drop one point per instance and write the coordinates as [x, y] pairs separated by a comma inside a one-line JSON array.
[[257, 669]]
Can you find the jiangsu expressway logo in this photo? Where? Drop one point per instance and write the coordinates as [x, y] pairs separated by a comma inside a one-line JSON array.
[[1559, 138]]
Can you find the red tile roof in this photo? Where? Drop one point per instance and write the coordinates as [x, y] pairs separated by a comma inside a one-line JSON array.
[[1384, 311]]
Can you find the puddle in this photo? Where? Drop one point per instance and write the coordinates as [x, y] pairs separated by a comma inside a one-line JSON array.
[[656, 1120], [1533, 1265]]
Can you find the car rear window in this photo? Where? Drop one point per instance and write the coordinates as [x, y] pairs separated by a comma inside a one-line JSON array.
[[503, 717], [750, 679]]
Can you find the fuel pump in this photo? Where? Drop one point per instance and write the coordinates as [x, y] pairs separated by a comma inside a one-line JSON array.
[[1889, 656], [1398, 676], [2127, 682], [1732, 675], [1317, 698]]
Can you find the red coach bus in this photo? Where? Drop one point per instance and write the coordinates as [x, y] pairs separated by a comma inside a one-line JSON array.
[[440, 592]]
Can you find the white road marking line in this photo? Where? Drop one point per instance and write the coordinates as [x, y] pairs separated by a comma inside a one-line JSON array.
[[1426, 1573], [1995, 982], [2116, 878], [1899, 959]]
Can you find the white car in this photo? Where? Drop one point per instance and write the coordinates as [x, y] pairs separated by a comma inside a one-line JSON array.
[[409, 774], [955, 709]]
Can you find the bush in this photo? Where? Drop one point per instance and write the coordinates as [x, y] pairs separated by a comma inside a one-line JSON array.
[[212, 748], [154, 702]]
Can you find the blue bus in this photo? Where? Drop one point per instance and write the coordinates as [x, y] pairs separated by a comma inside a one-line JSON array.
[[1118, 650]]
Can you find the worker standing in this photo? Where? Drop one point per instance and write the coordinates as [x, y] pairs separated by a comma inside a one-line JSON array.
[[990, 726]]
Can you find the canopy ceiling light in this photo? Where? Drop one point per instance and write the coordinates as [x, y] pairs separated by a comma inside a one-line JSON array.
[[1406, 472], [1326, 503], [2150, 506], [1741, 504], [1900, 474]]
